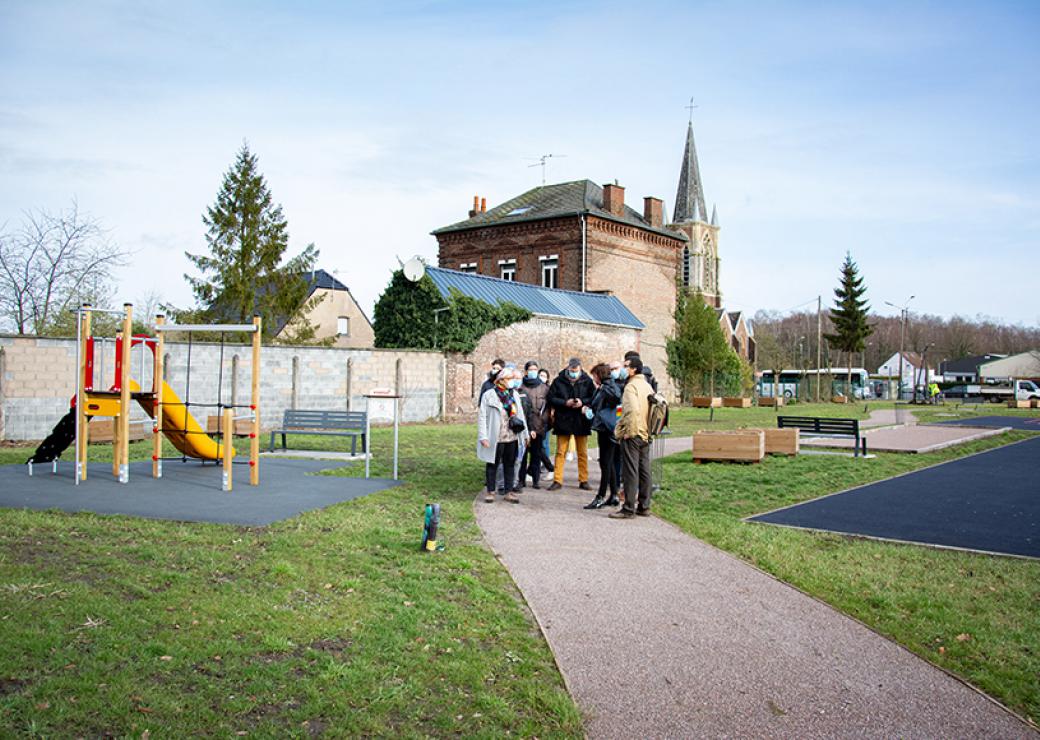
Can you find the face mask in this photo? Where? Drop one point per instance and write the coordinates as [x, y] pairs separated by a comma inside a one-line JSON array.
[[615, 374], [532, 374], [514, 383], [573, 374]]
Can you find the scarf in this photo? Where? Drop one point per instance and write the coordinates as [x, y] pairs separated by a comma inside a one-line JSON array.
[[506, 397]]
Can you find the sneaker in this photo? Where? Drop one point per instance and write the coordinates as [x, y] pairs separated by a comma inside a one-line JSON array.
[[512, 498], [584, 485], [555, 486], [621, 514], [642, 512], [489, 498]]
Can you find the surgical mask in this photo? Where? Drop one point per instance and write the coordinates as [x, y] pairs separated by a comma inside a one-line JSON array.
[[532, 374], [573, 374], [514, 383], [615, 374]]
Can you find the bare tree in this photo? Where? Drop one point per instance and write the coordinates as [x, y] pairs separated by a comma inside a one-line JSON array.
[[49, 264]]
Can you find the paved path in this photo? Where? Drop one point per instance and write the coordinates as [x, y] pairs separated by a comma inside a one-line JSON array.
[[660, 635], [916, 438]]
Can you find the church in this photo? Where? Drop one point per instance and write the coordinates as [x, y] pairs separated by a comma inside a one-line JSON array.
[[582, 237]]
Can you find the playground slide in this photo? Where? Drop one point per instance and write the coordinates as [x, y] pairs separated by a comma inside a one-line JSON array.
[[180, 427]]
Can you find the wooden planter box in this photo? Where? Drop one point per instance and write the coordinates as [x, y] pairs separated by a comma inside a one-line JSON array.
[[770, 401], [100, 430], [747, 445], [840, 399], [1020, 404], [1034, 403], [707, 402], [780, 441], [243, 427], [735, 402]]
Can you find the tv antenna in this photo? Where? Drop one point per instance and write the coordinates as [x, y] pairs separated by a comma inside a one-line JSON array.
[[542, 161]]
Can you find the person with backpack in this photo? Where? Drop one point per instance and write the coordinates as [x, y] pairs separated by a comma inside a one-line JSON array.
[[633, 432], [604, 409]]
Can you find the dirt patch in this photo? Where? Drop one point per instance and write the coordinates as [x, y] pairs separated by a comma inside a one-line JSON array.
[[12, 685]]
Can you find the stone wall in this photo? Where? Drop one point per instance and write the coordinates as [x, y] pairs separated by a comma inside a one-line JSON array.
[[38, 378], [550, 342]]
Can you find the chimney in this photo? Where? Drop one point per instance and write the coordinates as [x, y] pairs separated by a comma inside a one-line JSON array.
[[653, 211], [483, 205], [614, 199], [476, 206]]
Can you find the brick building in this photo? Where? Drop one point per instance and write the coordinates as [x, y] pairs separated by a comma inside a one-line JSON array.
[[582, 237]]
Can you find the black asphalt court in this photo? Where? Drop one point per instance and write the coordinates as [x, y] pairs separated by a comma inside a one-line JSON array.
[[1022, 423], [187, 492], [988, 502]]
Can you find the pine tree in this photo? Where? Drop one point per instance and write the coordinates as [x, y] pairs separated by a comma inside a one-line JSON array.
[[699, 357], [849, 316], [245, 271]]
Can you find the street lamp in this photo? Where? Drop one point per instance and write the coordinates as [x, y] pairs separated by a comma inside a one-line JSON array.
[[904, 311]]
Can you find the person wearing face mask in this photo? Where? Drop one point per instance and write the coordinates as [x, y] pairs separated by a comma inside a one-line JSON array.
[[570, 393], [604, 409], [535, 396], [633, 432], [500, 425], [496, 365]]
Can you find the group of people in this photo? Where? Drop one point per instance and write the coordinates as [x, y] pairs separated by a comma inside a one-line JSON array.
[[518, 410]]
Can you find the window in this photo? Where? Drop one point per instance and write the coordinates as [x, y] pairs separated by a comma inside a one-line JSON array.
[[686, 267], [519, 211], [468, 267], [550, 271], [507, 269], [343, 326]]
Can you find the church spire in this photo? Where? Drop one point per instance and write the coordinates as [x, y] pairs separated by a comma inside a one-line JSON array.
[[689, 201]]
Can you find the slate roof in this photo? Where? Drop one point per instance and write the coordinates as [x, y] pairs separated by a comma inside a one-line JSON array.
[[967, 364], [689, 199], [567, 304], [553, 201]]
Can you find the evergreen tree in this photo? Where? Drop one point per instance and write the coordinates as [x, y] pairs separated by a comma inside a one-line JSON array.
[[246, 271], [699, 357], [849, 316], [414, 316]]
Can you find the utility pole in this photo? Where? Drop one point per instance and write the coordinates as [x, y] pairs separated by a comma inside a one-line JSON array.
[[904, 312], [819, 342]]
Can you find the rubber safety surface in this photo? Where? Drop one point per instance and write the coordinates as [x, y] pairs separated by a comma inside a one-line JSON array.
[[988, 502], [187, 491]]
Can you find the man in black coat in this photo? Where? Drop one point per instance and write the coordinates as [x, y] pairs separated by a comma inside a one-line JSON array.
[[570, 393]]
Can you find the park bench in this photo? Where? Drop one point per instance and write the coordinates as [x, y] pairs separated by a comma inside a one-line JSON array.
[[811, 426], [329, 423]]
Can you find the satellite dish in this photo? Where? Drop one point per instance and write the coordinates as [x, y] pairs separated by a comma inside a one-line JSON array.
[[414, 269]]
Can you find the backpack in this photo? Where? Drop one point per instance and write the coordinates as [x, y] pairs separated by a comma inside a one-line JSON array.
[[657, 414]]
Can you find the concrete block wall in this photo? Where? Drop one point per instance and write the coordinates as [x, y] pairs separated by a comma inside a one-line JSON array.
[[38, 377]]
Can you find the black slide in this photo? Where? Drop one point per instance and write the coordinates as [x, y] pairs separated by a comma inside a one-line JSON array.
[[58, 441]]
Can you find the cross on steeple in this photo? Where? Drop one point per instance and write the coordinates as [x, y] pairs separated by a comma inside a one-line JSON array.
[[690, 107]]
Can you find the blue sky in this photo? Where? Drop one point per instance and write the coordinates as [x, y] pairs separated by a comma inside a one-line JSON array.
[[905, 133]]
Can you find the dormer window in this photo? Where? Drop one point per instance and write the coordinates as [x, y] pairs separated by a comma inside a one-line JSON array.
[[507, 269]]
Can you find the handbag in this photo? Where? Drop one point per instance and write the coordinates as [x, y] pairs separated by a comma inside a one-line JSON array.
[[516, 424]]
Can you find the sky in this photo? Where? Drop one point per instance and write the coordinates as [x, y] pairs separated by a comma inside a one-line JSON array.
[[903, 133]]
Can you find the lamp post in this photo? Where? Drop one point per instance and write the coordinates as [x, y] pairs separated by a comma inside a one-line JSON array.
[[904, 311]]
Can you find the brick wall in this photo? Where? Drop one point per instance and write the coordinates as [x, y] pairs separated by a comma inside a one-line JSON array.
[[550, 342], [38, 377]]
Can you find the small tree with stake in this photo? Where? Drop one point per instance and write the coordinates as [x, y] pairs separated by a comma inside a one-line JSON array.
[[849, 316]]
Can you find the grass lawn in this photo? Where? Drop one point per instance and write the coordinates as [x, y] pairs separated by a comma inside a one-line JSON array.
[[975, 615], [332, 621]]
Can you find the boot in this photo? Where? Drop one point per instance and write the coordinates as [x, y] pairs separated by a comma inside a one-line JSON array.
[[612, 501], [596, 503]]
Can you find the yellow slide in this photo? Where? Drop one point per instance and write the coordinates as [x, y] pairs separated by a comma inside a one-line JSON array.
[[181, 428]]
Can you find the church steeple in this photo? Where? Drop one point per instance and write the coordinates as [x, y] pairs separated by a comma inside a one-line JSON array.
[[689, 201]]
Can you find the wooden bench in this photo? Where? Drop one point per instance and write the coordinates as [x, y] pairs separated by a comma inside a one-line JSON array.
[[328, 423], [811, 426]]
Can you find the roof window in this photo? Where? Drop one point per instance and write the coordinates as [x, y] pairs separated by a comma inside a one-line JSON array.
[[519, 211]]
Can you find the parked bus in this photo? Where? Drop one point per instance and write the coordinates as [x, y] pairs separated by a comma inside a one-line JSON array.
[[796, 384]]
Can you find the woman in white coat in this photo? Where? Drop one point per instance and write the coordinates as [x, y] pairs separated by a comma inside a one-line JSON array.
[[500, 424]]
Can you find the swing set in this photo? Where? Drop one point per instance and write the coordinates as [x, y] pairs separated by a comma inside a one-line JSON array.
[[171, 416]]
